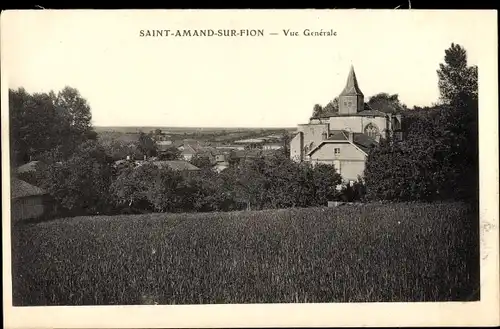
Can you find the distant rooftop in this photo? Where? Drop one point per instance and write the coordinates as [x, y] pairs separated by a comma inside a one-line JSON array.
[[21, 189], [177, 165], [249, 141]]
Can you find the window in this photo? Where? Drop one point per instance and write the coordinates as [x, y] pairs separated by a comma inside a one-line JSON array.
[[345, 103], [372, 131], [336, 151], [350, 103]]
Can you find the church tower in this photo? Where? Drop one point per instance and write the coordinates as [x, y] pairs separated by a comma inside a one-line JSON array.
[[351, 100]]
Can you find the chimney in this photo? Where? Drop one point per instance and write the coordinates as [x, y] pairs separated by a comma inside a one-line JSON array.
[[350, 136], [145, 157], [128, 157]]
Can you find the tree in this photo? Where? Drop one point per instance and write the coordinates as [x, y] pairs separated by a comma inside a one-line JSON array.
[[332, 107], [146, 145], [458, 88], [35, 126], [455, 77], [438, 158], [325, 180], [75, 112], [170, 153], [168, 191], [386, 103], [317, 111], [41, 122], [118, 149], [81, 183], [200, 161], [131, 188]]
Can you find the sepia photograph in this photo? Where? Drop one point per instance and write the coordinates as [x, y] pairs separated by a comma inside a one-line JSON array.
[[229, 159]]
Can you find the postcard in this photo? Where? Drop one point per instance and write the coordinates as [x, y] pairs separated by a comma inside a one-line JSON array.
[[249, 168]]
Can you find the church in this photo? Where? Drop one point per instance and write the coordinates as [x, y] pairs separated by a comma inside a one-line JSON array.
[[344, 138]]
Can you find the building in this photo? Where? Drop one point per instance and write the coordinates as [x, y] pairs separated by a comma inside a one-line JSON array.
[[272, 146], [230, 147], [344, 138], [27, 200], [30, 167], [251, 143]]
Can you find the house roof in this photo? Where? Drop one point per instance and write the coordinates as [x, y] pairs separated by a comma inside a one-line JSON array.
[[363, 141], [351, 87], [164, 145], [251, 140], [360, 140], [21, 189], [29, 167], [188, 149]]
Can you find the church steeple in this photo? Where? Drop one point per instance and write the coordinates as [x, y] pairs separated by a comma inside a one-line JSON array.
[[351, 87], [351, 99]]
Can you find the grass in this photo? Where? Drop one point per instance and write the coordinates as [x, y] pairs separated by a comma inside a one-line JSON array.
[[386, 252]]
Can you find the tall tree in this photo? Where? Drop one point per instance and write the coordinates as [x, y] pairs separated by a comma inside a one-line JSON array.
[[35, 125], [146, 145], [76, 111], [317, 111], [455, 76], [386, 103], [438, 158], [332, 106]]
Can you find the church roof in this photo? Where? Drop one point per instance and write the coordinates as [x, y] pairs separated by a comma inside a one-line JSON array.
[[351, 87]]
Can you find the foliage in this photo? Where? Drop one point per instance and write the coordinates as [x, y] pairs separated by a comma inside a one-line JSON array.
[[370, 253], [455, 77], [386, 103], [201, 161], [119, 150], [146, 145], [170, 153], [438, 158], [330, 108], [131, 186], [81, 183], [41, 123]]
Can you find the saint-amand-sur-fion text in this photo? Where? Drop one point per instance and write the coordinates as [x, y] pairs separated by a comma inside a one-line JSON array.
[[235, 33]]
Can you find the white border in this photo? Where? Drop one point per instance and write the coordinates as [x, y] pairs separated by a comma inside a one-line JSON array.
[[483, 313]]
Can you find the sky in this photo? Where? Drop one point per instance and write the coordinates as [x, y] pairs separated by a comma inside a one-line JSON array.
[[267, 81]]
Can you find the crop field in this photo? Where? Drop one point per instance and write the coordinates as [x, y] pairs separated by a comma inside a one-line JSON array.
[[364, 253]]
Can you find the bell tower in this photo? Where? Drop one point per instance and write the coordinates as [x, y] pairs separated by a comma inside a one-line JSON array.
[[351, 100]]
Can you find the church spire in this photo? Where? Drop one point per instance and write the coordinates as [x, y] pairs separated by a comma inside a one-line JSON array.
[[351, 87], [351, 100]]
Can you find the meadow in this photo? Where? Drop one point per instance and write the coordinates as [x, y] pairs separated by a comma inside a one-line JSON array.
[[353, 253]]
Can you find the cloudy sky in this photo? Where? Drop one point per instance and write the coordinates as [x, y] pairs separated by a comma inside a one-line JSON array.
[[269, 81]]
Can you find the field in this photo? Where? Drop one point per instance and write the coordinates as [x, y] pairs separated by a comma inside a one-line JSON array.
[[205, 135], [365, 253]]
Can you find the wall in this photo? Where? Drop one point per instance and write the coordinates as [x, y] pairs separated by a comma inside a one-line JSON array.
[[350, 104], [27, 208], [351, 159], [357, 123], [313, 134], [296, 147]]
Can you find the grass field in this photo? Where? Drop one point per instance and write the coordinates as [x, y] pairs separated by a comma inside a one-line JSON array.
[[398, 252]]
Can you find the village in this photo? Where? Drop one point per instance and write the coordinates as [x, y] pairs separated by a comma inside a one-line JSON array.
[[364, 199]]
